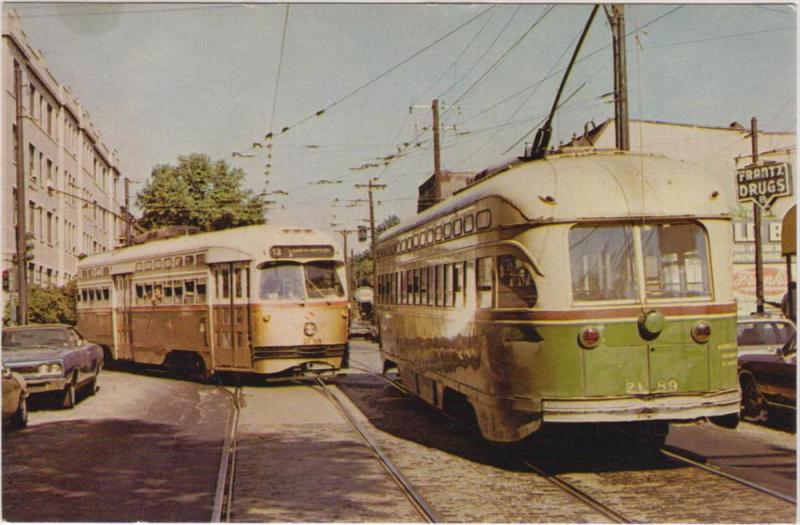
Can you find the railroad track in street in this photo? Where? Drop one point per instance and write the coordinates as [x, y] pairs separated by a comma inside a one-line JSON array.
[[414, 497], [622, 510], [555, 480], [223, 496]]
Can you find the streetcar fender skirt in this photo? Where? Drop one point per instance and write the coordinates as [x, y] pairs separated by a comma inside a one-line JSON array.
[[282, 365], [644, 408], [499, 422]]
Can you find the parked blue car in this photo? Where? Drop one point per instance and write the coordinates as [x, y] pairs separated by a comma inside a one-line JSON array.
[[52, 357]]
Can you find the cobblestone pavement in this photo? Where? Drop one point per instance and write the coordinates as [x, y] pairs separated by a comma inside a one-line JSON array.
[[456, 471], [463, 478], [299, 461]]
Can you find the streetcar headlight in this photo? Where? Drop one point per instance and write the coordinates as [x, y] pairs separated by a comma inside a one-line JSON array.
[[589, 337], [310, 329], [701, 332]]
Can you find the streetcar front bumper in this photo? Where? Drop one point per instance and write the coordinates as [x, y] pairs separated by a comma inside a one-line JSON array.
[[641, 408]]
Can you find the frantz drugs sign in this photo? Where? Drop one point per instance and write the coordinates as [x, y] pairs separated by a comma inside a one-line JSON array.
[[764, 183]]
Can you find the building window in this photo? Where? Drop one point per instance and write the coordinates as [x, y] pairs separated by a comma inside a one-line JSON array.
[[32, 163], [50, 120], [49, 228]]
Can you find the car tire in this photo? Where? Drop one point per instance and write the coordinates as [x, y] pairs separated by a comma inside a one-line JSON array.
[[92, 388], [753, 402], [70, 392], [20, 418]]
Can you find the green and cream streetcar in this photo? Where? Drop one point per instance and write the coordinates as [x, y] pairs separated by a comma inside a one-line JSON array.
[[587, 287]]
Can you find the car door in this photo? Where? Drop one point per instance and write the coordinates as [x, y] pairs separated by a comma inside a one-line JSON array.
[[82, 352]]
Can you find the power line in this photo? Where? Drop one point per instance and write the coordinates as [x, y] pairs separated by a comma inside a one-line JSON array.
[[723, 37], [504, 55], [384, 74]]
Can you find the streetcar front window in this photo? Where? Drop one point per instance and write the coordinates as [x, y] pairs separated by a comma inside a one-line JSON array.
[[296, 281], [281, 281], [322, 281], [675, 261], [602, 263]]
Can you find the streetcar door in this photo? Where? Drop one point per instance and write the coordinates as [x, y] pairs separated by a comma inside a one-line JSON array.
[[123, 338], [231, 315]]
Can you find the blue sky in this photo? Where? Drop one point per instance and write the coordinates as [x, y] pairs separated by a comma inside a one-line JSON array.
[[161, 80]]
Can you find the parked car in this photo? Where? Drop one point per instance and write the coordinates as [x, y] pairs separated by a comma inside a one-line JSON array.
[[763, 334], [360, 328], [15, 399], [769, 381], [52, 357]]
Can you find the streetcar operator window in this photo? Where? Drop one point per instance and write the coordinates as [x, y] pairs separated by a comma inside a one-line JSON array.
[[602, 263], [516, 288], [322, 281], [675, 261]]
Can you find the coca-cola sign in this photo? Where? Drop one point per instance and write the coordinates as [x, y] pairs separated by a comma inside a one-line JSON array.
[[744, 281]]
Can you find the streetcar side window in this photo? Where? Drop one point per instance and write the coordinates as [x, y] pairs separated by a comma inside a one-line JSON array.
[[675, 261], [448, 285], [602, 263], [188, 295], [459, 276], [168, 291], [139, 294], [439, 285], [483, 281], [178, 289], [423, 286], [515, 286]]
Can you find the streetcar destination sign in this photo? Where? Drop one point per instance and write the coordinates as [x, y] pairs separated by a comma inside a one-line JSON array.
[[764, 183]]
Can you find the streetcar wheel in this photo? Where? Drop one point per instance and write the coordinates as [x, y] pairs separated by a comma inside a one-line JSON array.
[[20, 418], [754, 404], [68, 401]]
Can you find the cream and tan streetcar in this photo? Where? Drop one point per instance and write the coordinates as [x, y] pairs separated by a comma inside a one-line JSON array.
[[262, 299]]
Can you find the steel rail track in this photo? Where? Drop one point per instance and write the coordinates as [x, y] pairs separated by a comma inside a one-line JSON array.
[[223, 496], [565, 486], [675, 453], [419, 503]]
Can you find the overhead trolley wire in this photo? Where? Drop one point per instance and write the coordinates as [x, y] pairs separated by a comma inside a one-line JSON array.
[[384, 74], [504, 55]]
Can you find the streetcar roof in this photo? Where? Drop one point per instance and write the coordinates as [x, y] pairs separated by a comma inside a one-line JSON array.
[[234, 244], [595, 185]]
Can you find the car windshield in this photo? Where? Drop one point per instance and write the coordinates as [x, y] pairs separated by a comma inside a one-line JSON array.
[[16, 339], [290, 280], [773, 333]]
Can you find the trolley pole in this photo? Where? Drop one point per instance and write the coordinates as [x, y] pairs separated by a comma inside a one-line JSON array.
[[22, 263], [616, 17], [757, 226]]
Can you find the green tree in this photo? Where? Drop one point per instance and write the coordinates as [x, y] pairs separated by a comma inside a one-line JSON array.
[[52, 305], [199, 192]]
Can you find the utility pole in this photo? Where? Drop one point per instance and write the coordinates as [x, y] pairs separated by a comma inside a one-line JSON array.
[[127, 212], [22, 263], [757, 225], [437, 159], [348, 263], [616, 17], [370, 186]]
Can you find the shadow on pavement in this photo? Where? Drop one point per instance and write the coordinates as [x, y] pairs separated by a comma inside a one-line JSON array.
[[558, 451], [108, 471]]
